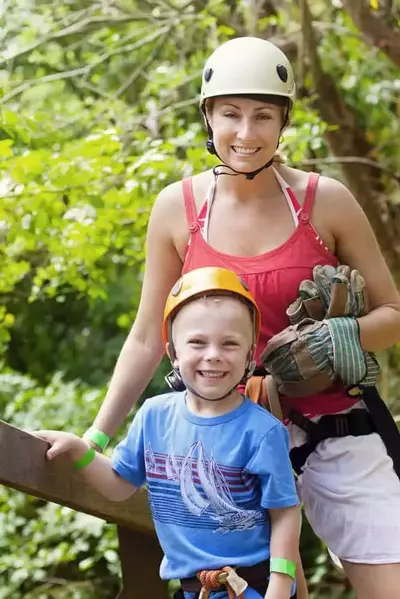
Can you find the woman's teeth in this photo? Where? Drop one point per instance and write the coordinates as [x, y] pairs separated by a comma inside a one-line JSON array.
[[247, 151]]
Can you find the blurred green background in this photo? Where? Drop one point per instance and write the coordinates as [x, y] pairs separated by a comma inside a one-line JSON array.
[[99, 111]]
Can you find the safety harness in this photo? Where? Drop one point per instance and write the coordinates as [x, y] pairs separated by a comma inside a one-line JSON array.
[[377, 418], [296, 364], [233, 581]]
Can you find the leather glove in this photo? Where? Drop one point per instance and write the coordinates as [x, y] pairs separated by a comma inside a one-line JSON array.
[[308, 357], [332, 292]]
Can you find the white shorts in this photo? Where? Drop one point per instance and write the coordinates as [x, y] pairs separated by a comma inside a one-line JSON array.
[[351, 497]]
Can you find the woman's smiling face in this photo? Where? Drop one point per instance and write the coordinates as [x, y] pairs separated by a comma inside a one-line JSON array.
[[245, 131]]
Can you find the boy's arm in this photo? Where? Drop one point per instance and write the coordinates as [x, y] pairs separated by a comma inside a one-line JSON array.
[[301, 581], [99, 473], [117, 478], [285, 538], [271, 463]]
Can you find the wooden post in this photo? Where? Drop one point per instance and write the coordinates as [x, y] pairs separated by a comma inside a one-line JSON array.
[[140, 556], [23, 466]]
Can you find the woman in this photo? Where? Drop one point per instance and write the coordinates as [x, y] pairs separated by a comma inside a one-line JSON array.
[[272, 224]]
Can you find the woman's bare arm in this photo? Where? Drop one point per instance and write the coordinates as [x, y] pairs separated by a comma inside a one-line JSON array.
[[357, 246], [143, 349]]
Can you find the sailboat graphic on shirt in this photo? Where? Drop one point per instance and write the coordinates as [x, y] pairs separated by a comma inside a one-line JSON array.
[[172, 468], [216, 498], [150, 461]]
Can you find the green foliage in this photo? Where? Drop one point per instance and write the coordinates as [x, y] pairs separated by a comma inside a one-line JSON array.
[[98, 113], [51, 551], [48, 550]]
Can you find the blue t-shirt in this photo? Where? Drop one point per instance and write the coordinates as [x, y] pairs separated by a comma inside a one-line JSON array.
[[210, 481]]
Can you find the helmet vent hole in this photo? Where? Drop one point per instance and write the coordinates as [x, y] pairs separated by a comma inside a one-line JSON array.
[[176, 289], [282, 72], [208, 74]]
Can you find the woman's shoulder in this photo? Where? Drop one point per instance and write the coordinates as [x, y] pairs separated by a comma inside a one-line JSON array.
[[298, 179], [171, 195], [330, 191], [332, 205], [168, 215]]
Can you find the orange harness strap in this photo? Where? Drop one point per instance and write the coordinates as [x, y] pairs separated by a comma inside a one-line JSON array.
[[257, 391], [212, 580], [263, 391]]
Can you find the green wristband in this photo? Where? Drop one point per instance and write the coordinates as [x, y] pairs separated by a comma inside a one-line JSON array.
[[85, 460], [97, 436], [283, 566]]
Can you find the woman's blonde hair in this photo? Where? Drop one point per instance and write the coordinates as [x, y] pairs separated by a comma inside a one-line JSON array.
[[278, 158]]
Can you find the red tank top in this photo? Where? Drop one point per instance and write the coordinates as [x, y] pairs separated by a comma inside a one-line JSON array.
[[274, 278]]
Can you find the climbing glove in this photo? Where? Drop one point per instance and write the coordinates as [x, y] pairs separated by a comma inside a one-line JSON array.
[[323, 342]]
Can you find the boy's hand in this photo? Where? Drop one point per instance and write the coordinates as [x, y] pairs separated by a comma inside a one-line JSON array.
[[99, 473], [280, 587], [62, 442]]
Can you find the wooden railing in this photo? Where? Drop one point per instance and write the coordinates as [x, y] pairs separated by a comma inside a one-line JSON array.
[[23, 466]]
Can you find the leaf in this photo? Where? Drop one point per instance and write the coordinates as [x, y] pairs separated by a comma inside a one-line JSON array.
[[6, 148]]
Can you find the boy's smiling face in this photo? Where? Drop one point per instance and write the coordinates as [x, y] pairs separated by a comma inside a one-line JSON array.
[[212, 338]]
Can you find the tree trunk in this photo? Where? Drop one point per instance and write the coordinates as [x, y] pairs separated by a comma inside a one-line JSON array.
[[347, 140], [376, 27]]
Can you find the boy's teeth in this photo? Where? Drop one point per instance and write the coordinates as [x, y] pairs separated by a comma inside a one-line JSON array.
[[212, 374]]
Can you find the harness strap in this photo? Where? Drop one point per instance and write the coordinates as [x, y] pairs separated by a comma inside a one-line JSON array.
[[376, 419], [356, 423], [213, 580], [263, 391], [273, 397], [207, 581], [384, 423]]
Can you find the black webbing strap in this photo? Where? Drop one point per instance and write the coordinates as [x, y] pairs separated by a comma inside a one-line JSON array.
[[355, 423], [384, 423]]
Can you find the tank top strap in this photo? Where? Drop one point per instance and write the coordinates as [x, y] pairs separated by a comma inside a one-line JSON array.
[[311, 191], [190, 204]]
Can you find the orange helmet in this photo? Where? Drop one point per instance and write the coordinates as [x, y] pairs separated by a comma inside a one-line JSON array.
[[201, 282]]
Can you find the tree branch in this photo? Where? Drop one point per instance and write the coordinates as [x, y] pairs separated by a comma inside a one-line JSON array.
[[46, 79], [375, 29], [347, 140], [143, 66], [81, 26], [350, 160], [86, 69]]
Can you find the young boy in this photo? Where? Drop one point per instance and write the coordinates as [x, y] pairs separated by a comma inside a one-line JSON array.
[[220, 483]]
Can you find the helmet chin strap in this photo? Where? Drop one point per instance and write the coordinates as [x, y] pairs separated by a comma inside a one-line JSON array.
[[249, 176]]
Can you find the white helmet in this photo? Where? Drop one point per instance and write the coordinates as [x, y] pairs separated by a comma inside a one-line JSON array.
[[248, 66]]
